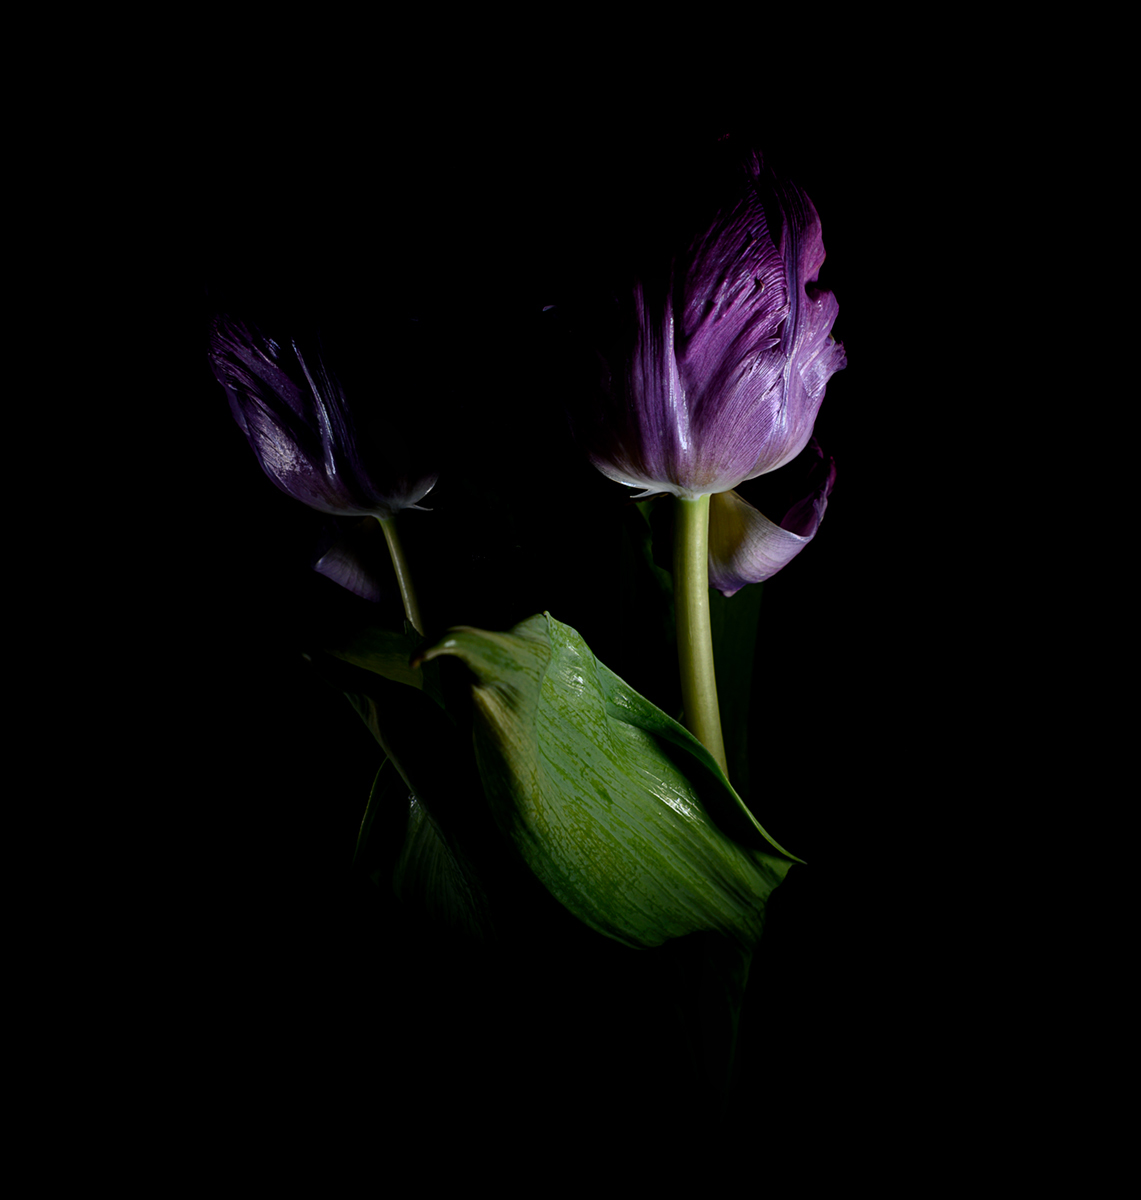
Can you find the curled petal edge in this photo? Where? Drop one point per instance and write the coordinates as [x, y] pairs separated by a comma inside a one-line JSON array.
[[355, 558], [746, 547]]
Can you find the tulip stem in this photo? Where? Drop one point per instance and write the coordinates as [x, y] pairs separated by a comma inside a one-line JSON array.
[[694, 635], [403, 575]]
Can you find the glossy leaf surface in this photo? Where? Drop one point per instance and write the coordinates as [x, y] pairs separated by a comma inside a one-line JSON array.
[[617, 809]]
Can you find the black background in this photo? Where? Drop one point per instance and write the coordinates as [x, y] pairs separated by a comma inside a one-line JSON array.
[[472, 224]]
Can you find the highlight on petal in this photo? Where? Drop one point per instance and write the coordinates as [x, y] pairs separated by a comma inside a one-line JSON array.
[[641, 437], [734, 303], [809, 353], [746, 547]]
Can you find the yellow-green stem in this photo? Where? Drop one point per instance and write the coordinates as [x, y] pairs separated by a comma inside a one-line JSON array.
[[694, 637], [403, 575]]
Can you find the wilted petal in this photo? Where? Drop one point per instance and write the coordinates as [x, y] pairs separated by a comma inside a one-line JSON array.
[[746, 547]]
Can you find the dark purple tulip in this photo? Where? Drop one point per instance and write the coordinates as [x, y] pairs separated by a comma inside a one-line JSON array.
[[726, 370], [307, 437]]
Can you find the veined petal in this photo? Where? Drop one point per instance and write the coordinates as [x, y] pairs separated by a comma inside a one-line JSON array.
[[806, 377], [733, 306], [809, 353], [746, 547]]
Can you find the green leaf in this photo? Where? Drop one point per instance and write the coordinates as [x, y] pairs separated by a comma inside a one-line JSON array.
[[434, 876], [614, 806], [429, 873], [419, 739], [389, 654], [374, 806]]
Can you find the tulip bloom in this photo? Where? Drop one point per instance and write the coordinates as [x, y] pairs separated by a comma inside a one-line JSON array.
[[310, 443], [724, 370], [719, 380], [300, 425]]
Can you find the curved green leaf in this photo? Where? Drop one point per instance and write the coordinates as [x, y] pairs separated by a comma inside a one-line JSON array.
[[389, 654], [434, 876], [617, 809], [401, 844]]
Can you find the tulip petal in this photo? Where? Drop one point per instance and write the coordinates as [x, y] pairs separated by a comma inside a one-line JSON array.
[[733, 307], [808, 354], [357, 559], [811, 355], [746, 547], [641, 437]]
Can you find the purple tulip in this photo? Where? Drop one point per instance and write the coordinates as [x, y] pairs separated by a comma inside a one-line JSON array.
[[306, 436], [724, 371]]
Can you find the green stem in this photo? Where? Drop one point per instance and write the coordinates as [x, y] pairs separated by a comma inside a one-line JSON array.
[[403, 575], [694, 637]]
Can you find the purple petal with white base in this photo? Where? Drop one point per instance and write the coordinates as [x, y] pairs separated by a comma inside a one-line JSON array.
[[302, 429], [746, 547]]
